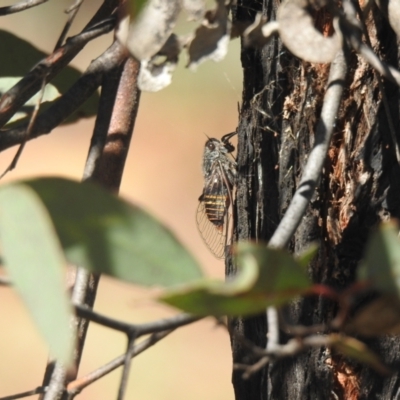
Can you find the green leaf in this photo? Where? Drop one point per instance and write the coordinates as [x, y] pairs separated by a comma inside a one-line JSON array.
[[22, 56], [380, 316], [35, 262], [381, 264], [279, 272], [105, 234], [358, 351], [266, 277], [50, 93]]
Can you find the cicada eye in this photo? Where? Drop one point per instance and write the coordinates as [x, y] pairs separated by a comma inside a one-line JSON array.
[[210, 145]]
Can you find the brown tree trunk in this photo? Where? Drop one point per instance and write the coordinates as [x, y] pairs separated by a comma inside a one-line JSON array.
[[360, 186]]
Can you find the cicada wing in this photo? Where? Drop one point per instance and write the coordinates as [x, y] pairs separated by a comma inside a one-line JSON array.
[[215, 237]]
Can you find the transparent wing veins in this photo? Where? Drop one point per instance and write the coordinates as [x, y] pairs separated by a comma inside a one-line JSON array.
[[215, 237]]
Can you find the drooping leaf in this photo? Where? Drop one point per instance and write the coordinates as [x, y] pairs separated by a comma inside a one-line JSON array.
[[105, 234], [381, 263], [22, 56], [36, 265], [279, 272], [266, 277], [358, 351], [379, 317], [211, 297]]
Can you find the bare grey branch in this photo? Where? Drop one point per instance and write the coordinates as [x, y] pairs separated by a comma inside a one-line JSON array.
[[316, 159]]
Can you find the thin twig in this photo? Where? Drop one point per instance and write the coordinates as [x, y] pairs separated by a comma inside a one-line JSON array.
[[21, 6], [38, 390], [71, 11], [291, 348], [316, 159], [69, 102], [140, 329], [109, 168], [79, 384], [124, 109], [31, 124], [309, 180], [85, 284], [109, 90], [130, 351], [273, 328], [56, 384], [166, 324], [31, 83]]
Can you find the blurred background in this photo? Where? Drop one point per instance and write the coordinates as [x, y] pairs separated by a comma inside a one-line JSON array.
[[163, 175]]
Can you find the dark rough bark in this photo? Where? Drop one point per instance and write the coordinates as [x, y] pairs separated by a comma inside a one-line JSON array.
[[282, 99]]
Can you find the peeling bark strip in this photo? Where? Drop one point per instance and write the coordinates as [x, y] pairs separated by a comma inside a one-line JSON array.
[[282, 100]]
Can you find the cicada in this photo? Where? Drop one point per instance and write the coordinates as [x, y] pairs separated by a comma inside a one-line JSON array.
[[213, 216]]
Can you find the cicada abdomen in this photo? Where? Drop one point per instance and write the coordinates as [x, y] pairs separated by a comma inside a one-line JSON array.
[[216, 206], [213, 216]]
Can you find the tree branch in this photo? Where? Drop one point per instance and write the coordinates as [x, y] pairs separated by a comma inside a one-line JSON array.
[[108, 172], [291, 348], [316, 159], [38, 390], [109, 168], [76, 386], [130, 351], [273, 328], [21, 6], [69, 102], [29, 129], [71, 11], [30, 84], [141, 329]]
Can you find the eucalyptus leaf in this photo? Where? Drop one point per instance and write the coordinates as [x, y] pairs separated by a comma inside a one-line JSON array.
[[103, 233], [36, 264], [380, 316], [358, 351], [266, 277], [381, 263]]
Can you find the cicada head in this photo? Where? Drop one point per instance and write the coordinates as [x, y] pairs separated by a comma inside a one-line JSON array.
[[214, 150]]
